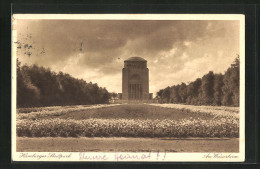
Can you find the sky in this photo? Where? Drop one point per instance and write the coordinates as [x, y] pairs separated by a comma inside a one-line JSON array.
[[94, 50]]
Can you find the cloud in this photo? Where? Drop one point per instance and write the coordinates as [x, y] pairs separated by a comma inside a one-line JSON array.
[[94, 50]]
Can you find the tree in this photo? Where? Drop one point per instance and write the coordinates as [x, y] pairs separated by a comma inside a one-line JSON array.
[[166, 95], [113, 95], [207, 88], [160, 95], [175, 94], [218, 84], [230, 88], [183, 92], [27, 93]]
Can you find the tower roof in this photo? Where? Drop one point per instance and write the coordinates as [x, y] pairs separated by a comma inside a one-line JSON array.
[[136, 59]]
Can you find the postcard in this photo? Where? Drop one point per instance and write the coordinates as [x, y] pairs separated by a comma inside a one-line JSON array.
[[128, 87]]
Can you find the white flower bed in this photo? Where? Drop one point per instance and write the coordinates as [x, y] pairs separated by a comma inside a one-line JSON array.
[[56, 110], [218, 111]]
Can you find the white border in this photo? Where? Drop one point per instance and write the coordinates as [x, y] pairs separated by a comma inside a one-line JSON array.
[[170, 157]]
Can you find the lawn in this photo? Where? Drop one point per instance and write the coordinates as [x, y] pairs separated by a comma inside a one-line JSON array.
[[123, 144], [125, 111]]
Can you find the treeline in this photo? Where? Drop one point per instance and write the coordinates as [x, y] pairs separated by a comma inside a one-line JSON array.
[[38, 86], [211, 89]]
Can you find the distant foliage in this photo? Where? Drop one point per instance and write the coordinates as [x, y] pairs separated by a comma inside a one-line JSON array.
[[38, 86], [211, 89]]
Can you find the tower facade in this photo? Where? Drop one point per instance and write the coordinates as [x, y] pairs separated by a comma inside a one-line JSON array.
[[135, 79]]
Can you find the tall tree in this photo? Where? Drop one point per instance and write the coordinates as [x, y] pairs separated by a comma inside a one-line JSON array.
[[175, 94], [207, 88], [218, 84], [183, 92], [166, 95], [160, 95], [231, 85]]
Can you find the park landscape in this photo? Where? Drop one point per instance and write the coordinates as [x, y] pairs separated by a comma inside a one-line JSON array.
[[201, 116]]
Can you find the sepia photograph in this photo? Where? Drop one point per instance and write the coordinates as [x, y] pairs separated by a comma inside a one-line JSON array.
[[128, 87]]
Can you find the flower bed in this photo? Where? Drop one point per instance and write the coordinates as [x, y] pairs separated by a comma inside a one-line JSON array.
[[219, 127]]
